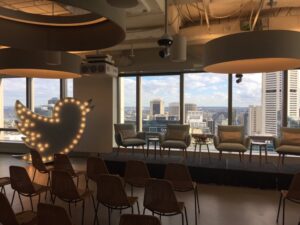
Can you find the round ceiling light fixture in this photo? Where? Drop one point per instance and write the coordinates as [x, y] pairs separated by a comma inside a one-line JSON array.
[[123, 3], [25, 63], [253, 52], [102, 26]]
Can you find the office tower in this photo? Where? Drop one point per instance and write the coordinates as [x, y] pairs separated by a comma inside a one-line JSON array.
[[189, 107], [195, 119], [254, 123], [211, 125], [272, 99], [174, 110], [156, 107]]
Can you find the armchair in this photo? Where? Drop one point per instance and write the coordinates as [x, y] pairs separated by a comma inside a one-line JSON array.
[[288, 143], [126, 136], [177, 136], [231, 139]]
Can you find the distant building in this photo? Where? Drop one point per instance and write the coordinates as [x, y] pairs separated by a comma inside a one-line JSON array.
[[211, 125], [254, 120], [174, 109], [52, 101], [189, 107], [272, 99], [156, 107], [195, 120]]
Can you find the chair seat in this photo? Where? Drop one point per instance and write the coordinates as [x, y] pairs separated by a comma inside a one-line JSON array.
[[288, 149], [164, 209], [133, 142], [231, 147], [173, 144], [183, 186], [40, 188], [137, 182], [26, 218], [84, 193], [4, 181]]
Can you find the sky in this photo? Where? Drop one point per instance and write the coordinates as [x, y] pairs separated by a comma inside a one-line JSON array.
[[203, 89], [44, 89]]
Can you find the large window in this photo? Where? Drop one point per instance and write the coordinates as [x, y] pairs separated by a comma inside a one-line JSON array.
[[46, 94], [127, 99], [247, 103], [70, 88], [293, 104], [160, 102], [206, 100], [11, 89]]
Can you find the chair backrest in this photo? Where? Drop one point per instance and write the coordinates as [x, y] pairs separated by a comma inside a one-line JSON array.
[[110, 191], [125, 131], [63, 186], [179, 174], [159, 196], [63, 163], [95, 167], [7, 216], [52, 215], [129, 219], [290, 136], [37, 161], [231, 134], [20, 180], [136, 169], [177, 132], [294, 189]]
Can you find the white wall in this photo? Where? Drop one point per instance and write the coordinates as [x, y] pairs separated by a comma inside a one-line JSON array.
[[98, 136]]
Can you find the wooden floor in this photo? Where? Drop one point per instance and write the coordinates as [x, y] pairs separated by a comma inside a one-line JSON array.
[[220, 205]]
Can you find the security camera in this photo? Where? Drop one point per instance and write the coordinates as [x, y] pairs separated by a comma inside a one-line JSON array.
[[239, 78], [166, 40], [165, 52]]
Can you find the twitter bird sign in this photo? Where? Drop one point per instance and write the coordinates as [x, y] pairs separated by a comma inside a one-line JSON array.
[[57, 134]]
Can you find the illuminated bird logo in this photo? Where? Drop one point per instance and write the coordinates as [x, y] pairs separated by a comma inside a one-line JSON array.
[[57, 134]]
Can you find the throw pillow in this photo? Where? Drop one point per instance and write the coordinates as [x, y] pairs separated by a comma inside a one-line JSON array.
[[231, 137]]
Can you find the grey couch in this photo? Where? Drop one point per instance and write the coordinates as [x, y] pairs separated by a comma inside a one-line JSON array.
[[176, 136], [126, 136]]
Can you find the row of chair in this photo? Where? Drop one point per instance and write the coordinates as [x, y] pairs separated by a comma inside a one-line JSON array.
[[55, 215]]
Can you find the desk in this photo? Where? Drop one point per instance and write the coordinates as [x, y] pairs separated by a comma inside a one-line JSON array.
[[202, 139], [260, 141]]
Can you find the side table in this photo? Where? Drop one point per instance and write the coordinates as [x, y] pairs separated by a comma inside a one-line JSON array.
[[154, 140], [202, 139], [261, 142]]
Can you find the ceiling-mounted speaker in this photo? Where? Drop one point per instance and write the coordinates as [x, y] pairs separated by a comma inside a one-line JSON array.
[[123, 3], [179, 48]]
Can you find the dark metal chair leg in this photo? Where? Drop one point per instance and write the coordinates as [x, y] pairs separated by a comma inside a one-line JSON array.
[[131, 190], [186, 219], [279, 206], [108, 216], [195, 198], [182, 219], [70, 212], [144, 210], [83, 206], [13, 197], [138, 207], [31, 203], [132, 211], [96, 220], [33, 175], [283, 211], [21, 202]]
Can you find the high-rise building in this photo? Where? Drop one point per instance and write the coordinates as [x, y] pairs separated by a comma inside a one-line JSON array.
[[174, 109], [156, 107], [211, 125], [254, 123], [189, 107], [272, 99]]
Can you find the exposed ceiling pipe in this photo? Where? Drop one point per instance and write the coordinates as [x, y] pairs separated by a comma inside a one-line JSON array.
[[257, 14]]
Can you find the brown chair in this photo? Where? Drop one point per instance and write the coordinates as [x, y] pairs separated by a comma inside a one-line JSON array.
[[182, 181], [126, 136], [111, 194], [21, 183], [128, 219], [64, 188], [136, 174], [63, 163], [8, 217], [52, 215], [94, 169], [231, 139], [38, 165], [3, 182], [160, 199], [293, 195], [288, 143], [177, 136]]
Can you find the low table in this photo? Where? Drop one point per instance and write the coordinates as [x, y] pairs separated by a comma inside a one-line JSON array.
[[260, 142], [202, 139], [154, 140]]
